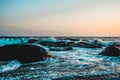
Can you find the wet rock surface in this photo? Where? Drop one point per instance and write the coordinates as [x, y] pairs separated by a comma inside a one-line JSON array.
[[87, 45], [24, 53], [112, 50]]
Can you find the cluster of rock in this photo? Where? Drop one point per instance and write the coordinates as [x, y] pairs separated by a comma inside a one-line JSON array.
[[111, 47], [32, 51], [69, 42], [54, 44]]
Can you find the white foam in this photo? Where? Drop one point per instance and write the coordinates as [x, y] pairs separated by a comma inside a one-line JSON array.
[[10, 65], [12, 41], [50, 39], [105, 43]]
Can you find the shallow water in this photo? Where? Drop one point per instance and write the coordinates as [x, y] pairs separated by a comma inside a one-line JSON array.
[[77, 62]]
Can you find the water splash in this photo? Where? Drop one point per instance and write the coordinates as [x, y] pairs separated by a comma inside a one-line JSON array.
[[9, 65]]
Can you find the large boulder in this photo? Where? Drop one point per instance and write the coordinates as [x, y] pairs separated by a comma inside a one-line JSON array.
[[112, 50], [24, 53]]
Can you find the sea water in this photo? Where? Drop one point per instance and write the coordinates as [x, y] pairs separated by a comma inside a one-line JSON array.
[[77, 62]]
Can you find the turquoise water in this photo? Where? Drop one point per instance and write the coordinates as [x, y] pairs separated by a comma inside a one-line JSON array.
[[77, 62]]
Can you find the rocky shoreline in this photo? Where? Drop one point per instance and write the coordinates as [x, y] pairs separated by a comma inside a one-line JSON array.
[[70, 58]]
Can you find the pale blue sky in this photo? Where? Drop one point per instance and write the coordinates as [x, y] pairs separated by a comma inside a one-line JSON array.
[[60, 17]]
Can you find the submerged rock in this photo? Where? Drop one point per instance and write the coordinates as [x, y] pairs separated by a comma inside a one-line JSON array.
[[72, 39], [87, 45], [112, 50], [33, 40], [64, 44], [24, 53], [50, 44], [57, 44]]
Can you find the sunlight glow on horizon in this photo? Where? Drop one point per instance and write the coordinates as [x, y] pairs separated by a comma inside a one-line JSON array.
[[60, 17]]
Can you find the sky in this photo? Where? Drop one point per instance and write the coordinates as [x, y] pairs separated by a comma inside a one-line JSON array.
[[60, 17]]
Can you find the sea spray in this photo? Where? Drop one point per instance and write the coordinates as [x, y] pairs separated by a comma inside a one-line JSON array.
[[9, 65]]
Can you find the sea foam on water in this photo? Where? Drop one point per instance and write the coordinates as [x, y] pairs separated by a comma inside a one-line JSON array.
[[9, 65], [77, 62]]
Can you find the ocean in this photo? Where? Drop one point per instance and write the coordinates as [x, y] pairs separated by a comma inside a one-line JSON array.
[[80, 63]]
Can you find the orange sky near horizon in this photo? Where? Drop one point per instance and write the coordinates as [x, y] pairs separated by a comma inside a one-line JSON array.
[[60, 18]]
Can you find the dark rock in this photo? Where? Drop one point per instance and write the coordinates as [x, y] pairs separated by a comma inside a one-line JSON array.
[[24, 53], [57, 44], [112, 50], [64, 44], [87, 45], [60, 44], [32, 40], [50, 44], [7, 52], [60, 48], [72, 39], [117, 44]]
